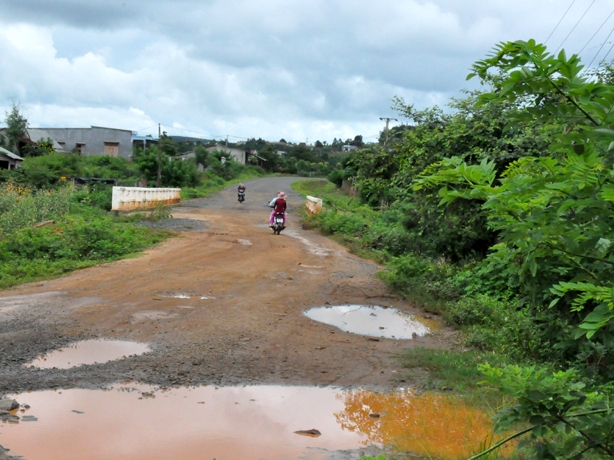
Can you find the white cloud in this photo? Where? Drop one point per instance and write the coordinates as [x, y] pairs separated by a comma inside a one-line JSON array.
[[313, 69]]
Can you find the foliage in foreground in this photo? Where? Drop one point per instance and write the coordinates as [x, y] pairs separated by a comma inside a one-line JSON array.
[[545, 293], [553, 215]]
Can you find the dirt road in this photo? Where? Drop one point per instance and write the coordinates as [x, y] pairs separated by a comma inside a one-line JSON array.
[[220, 304]]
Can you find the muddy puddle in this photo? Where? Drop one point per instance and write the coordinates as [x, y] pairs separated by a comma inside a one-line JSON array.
[[374, 321], [260, 422], [88, 352], [183, 296]]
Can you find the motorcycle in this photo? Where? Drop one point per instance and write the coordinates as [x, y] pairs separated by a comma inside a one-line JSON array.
[[278, 223], [241, 197]]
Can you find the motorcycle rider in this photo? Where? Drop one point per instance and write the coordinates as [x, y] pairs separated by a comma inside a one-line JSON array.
[[241, 189], [279, 205]]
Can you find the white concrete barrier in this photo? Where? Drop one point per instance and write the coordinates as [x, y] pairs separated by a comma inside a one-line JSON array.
[[129, 198], [313, 205]]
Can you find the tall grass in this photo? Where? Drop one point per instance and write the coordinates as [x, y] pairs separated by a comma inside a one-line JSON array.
[[22, 207], [80, 234]]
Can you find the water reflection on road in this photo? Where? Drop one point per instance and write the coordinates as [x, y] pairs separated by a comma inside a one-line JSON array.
[[89, 352], [259, 422], [431, 425], [374, 321]]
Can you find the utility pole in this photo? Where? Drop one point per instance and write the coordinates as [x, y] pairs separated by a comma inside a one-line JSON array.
[[386, 129], [159, 179], [226, 141]]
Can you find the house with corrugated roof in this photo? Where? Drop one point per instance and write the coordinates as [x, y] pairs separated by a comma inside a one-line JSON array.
[[35, 136], [237, 154], [94, 141], [8, 160]]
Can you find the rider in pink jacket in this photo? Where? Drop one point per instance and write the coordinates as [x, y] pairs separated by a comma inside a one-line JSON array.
[[279, 205]]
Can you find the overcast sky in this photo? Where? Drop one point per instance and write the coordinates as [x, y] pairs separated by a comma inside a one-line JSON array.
[[293, 69]]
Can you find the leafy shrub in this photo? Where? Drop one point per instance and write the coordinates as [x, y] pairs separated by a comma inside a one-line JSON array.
[[341, 222], [392, 239], [424, 281], [491, 324], [97, 195], [174, 173], [336, 176]]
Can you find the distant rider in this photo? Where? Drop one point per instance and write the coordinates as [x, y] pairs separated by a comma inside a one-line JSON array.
[[241, 189], [279, 205]]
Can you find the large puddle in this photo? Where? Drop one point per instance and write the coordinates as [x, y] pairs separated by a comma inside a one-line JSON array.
[[388, 323], [137, 421], [89, 352]]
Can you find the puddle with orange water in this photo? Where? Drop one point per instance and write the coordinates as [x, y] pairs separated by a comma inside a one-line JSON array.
[[374, 321], [88, 352], [260, 422], [431, 425]]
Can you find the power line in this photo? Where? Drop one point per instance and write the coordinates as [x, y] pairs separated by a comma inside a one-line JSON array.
[[206, 135], [148, 128], [188, 130], [602, 24], [560, 20], [576, 25], [609, 51], [601, 47]]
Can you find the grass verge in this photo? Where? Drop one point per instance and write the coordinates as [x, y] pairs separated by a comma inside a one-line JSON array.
[[446, 370]]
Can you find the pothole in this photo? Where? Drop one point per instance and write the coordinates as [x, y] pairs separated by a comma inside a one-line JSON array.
[[88, 352], [151, 315], [139, 421], [177, 296], [374, 321], [184, 296]]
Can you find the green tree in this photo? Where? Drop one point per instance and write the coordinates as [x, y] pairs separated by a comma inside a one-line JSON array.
[[357, 142], [175, 172], [202, 155], [168, 145], [16, 128], [273, 161], [302, 152]]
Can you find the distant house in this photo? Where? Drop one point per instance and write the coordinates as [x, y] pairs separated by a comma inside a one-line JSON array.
[[348, 148], [187, 155], [255, 158], [8, 160], [143, 141], [34, 136], [94, 141], [237, 154]]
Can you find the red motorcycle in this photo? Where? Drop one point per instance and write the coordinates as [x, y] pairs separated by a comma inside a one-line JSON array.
[[278, 223]]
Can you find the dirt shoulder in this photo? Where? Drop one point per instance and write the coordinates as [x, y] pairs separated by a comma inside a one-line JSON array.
[[243, 322]]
